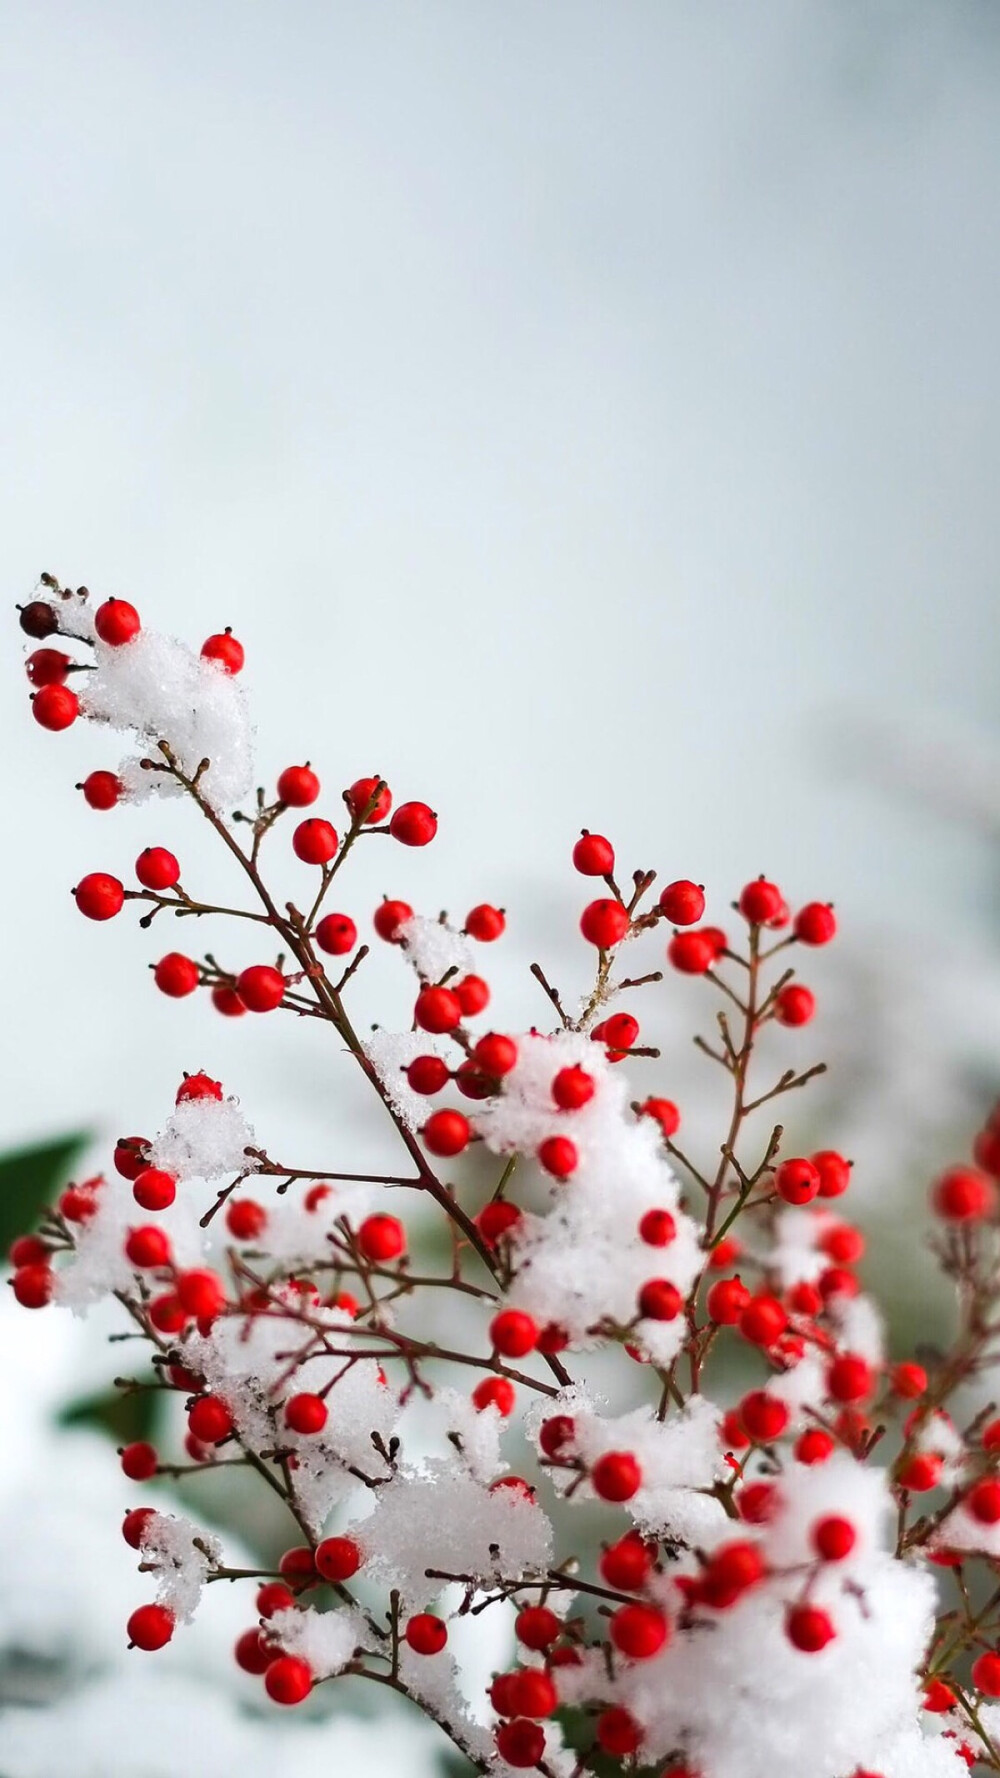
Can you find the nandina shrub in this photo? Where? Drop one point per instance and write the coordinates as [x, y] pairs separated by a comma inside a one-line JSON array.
[[773, 1598]]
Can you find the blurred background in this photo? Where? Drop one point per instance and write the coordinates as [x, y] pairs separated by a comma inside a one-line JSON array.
[[585, 414]]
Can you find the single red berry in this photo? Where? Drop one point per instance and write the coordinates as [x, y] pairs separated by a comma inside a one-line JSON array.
[[167, 1314], [814, 1446], [55, 707], [616, 1476], [617, 1732], [389, 916], [428, 1074], [726, 1301], [833, 1538], [261, 987], [414, 824], [850, 1378], [254, 1653], [274, 1597], [983, 1501], [495, 1392], [426, 1634], [198, 1086], [437, 1010], [537, 1627], [521, 1742], [559, 1156], [157, 869], [665, 1113], [305, 1413], [101, 790], [938, 1697], [288, 1680], [210, 1420], [842, 1243], [731, 1571], [763, 1321], [148, 1247], [657, 1228], [485, 923], [176, 975], [693, 953], [764, 1416], [471, 1082], [986, 1673], [78, 1203], [139, 1461], [446, 1132], [201, 1292], [314, 841], [619, 1031], [497, 1219], [639, 1631], [33, 1286], [797, 1181], [990, 1436], [805, 1299], [986, 1152], [150, 1627], [246, 1220], [99, 896], [758, 1503], [28, 1250], [963, 1195], [815, 924], [760, 902], [336, 934], [224, 650], [116, 622], [381, 1238], [837, 1281], [298, 786], [532, 1693], [135, 1523], [659, 1300], [725, 1253], [593, 855], [604, 923], [794, 1005], [37, 620], [909, 1380], [682, 903], [338, 1558], [153, 1188], [920, 1472], [472, 994], [369, 798], [47, 666], [513, 1333], [226, 1001], [809, 1629], [834, 1172], [573, 1088], [495, 1054], [555, 1434]]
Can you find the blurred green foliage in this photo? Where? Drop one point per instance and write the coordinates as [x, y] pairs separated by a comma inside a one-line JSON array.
[[30, 1178]]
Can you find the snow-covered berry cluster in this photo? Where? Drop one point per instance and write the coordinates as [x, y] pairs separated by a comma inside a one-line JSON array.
[[800, 1580]]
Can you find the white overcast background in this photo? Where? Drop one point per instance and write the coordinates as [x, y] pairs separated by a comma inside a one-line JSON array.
[[583, 413]]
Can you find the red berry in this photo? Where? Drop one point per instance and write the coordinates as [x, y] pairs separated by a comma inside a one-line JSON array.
[[693, 953], [805, 1299], [389, 916], [495, 1054], [157, 869], [520, 1742], [834, 1172], [305, 1413], [732, 1570], [254, 1653], [682, 903], [274, 1597], [154, 1189], [763, 1321], [797, 1181], [33, 1286], [659, 1300], [336, 934], [814, 1446], [47, 666], [428, 1074], [626, 1564], [101, 790], [496, 1219], [986, 1674], [513, 1333], [837, 1281], [604, 923], [764, 1416], [446, 1133], [176, 975], [426, 1634], [37, 620], [983, 1501], [209, 1420], [485, 923], [201, 1292], [381, 1238], [55, 707], [198, 1086], [758, 1502], [573, 1088], [472, 1082], [555, 1433], [314, 841], [794, 1005], [665, 1113], [288, 1679], [727, 1300], [618, 1032], [298, 786], [495, 1392], [850, 1378], [338, 1558], [224, 650], [920, 1472], [986, 1152], [148, 1247], [371, 794], [99, 896], [963, 1195], [559, 1156], [472, 994], [809, 1629], [167, 1313], [761, 902], [150, 1627], [815, 924], [246, 1220], [938, 1697], [261, 987], [139, 1461], [657, 1228], [226, 1001], [414, 824], [833, 1538], [639, 1631], [134, 1525], [437, 1010], [616, 1476], [617, 1732], [843, 1244], [910, 1380], [531, 1693], [28, 1250], [593, 856], [537, 1627], [116, 622]]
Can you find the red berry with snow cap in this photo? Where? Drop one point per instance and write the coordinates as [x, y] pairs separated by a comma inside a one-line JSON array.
[[224, 651]]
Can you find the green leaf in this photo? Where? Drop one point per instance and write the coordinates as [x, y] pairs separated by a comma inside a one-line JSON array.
[[31, 1178], [125, 1415]]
